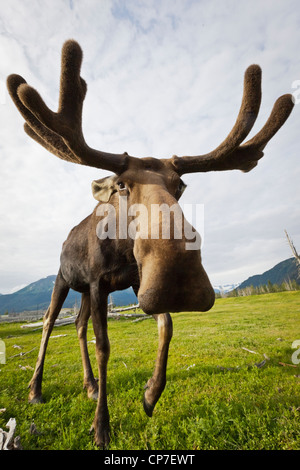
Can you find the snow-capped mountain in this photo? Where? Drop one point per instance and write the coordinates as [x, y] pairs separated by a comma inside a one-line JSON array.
[[225, 288]]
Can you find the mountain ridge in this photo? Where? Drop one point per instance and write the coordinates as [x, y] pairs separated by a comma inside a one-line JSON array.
[[37, 295], [284, 271]]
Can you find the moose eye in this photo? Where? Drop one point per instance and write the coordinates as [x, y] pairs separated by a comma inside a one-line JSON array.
[[121, 186], [181, 187], [180, 190]]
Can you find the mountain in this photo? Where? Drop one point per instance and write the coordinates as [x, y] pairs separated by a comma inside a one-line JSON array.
[[37, 296], [284, 271], [225, 288]]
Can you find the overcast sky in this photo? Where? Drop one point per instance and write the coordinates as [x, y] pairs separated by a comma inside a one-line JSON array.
[[163, 78]]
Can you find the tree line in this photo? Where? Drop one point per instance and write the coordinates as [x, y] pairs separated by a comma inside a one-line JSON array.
[[289, 285]]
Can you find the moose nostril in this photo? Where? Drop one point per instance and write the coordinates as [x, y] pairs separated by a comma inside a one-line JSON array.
[[147, 301]]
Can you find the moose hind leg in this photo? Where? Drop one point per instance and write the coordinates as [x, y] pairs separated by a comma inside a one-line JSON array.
[[81, 323], [157, 382], [58, 297]]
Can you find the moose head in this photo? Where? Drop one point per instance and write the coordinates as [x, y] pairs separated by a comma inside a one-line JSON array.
[[166, 276]]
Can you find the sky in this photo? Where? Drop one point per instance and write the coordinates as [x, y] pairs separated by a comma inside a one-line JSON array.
[[163, 78]]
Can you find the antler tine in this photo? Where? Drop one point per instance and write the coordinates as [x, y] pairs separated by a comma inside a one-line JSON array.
[[58, 146], [62, 131], [246, 157], [248, 112], [281, 110], [71, 84], [34, 128], [228, 156]]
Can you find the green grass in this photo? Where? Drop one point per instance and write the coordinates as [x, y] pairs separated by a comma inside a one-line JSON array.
[[215, 397]]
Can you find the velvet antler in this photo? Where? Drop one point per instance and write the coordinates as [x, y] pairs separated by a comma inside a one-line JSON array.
[[61, 132]]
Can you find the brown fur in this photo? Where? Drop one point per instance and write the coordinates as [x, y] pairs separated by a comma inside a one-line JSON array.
[[165, 276]]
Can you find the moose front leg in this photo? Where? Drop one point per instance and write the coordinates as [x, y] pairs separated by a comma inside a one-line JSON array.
[[99, 319], [156, 384], [81, 322], [58, 297]]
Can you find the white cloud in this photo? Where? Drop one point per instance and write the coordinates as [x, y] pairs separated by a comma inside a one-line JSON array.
[[163, 78]]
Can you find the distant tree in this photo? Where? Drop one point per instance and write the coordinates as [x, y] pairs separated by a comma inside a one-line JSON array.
[[294, 251], [270, 286]]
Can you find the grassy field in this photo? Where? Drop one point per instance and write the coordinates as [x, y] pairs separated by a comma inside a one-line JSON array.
[[215, 398]]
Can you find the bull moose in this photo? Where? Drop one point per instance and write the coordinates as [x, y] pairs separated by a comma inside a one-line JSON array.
[[164, 274]]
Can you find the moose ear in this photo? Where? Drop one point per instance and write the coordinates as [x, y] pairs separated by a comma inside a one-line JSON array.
[[104, 188]]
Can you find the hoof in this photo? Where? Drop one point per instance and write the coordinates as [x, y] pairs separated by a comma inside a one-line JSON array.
[[92, 390], [93, 395], [148, 408], [102, 436], [35, 399], [102, 440]]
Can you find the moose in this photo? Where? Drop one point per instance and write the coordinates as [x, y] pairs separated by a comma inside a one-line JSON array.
[[165, 276]]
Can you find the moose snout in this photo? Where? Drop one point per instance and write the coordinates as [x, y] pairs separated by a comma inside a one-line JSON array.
[[172, 278], [176, 287], [152, 301]]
